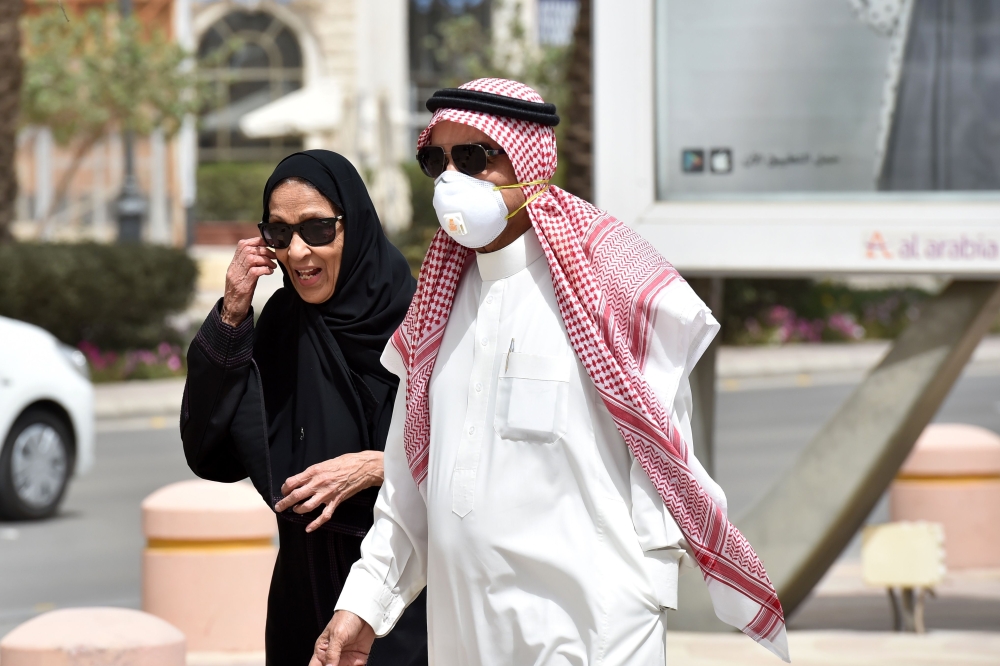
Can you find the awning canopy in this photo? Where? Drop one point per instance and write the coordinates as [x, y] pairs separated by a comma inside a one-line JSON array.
[[318, 107]]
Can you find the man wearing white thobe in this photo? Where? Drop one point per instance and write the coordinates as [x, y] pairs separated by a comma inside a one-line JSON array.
[[539, 537]]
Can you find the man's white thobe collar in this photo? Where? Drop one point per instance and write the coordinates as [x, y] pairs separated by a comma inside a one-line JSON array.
[[507, 261]]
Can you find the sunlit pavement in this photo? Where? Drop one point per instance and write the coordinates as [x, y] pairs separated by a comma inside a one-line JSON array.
[[90, 553], [837, 648]]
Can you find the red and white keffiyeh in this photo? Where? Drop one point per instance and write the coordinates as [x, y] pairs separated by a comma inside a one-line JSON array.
[[606, 278]]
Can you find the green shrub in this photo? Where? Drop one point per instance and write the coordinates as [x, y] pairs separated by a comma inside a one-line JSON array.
[[231, 191], [114, 296]]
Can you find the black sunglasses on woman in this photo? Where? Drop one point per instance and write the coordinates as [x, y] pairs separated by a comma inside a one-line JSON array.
[[316, 232]]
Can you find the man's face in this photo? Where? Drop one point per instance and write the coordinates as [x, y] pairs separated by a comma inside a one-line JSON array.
[[499, 171]]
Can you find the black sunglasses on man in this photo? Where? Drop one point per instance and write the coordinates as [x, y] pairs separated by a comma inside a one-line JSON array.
[[469, 158]]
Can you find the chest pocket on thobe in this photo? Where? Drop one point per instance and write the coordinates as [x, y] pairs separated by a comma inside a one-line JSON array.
[[532, 396]]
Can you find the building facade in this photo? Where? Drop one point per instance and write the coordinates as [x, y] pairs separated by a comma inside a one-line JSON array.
[[270, 48]]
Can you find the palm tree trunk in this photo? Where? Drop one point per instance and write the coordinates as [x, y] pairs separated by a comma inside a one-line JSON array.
[[577, 147], [10, 92]]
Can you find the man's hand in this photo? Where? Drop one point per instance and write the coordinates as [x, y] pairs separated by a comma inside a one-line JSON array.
[[252, 259], [331, 482], [346, 641]]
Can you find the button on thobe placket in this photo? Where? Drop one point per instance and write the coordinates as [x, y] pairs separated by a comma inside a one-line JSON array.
[[480, 383]]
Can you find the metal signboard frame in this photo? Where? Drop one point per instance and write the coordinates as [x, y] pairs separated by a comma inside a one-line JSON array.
[[760, 233]]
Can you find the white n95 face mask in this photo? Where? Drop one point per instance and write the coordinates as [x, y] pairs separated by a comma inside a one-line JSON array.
[[470, 210]]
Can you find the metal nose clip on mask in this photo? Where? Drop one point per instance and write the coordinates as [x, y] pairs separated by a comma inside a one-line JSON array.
[[473, 211]]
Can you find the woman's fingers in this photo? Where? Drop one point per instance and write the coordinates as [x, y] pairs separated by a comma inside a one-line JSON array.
[[293, 482], [259, 251], [292, 498], [251, 260], [323, 517], [257, 256], [256, 262], [320, 495], [259, 246]]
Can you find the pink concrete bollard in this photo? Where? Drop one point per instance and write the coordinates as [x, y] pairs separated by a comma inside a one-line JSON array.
[[208, 562], [952, 477], [93, 637]]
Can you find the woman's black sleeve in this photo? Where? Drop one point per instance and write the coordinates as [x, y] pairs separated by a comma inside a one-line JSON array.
[[219, 361]]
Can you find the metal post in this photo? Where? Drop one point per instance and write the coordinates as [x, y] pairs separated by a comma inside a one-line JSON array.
[[805, 521], [897, 611], [131, 205], [702, 379]]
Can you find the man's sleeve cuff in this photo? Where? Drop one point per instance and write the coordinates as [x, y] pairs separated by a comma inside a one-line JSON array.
[[662, 566], [371, 600]]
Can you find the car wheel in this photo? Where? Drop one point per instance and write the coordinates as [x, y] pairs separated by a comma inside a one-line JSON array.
[[35, 466]]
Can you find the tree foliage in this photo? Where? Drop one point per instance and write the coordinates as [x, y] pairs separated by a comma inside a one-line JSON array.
[[577, 137], [10, 83], [91, 74], [466, 50]]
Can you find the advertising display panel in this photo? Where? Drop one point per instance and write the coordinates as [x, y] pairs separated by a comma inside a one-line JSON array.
[[811, 136], [776, 96]]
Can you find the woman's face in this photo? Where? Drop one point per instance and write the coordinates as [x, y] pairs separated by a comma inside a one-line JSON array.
[[313, 270]]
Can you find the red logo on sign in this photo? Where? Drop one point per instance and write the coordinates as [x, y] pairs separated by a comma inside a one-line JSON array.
[[876, 244]]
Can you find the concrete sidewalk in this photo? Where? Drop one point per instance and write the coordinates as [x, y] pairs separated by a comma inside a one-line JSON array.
[[738, 368], [858, 357], [807, 648], [838, 648], [146, 397]]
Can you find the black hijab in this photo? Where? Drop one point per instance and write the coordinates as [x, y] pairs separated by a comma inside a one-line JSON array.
[[325, 391]]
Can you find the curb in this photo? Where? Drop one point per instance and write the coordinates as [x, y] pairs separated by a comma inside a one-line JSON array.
[[842, 361]]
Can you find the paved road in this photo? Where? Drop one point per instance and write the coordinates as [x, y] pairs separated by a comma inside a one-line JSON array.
[[760, 432], [90, 554]]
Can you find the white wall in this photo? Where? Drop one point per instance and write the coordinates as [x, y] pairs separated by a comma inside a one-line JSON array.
[[383, 64], [624, 165]]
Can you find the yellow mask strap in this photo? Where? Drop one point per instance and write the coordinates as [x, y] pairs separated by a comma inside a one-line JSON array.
[[529, 199]]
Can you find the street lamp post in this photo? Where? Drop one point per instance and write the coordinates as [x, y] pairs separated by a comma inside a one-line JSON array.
[[131, 206]]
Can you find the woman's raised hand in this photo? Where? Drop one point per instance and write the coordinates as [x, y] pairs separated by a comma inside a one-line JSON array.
[[252, 259], [331, 482]]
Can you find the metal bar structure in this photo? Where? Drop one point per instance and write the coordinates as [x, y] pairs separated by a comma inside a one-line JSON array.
[[805, 521], [702, 378], [131, 206]]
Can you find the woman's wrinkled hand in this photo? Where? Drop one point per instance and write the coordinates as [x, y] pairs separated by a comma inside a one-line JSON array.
[[252, 259], [331, 482]]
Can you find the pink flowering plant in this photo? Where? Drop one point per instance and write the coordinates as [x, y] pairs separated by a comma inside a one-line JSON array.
[[166, 360], [779, 325], [776, 312]]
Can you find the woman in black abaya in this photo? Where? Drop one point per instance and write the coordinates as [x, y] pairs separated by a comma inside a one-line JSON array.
[[300, 403]]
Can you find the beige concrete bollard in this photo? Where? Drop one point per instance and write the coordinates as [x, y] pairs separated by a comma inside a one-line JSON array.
[[208, 562], [93, 637], [952, 477]]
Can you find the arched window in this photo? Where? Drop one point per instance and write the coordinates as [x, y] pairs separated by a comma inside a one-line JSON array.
[[260, 62]]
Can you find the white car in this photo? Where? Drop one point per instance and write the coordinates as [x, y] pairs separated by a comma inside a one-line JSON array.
[[46, 420]]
